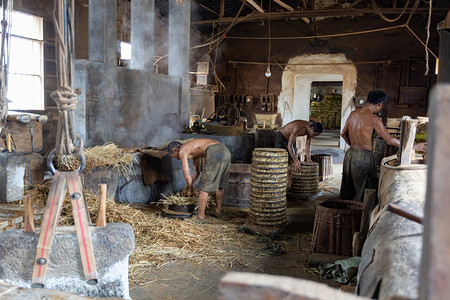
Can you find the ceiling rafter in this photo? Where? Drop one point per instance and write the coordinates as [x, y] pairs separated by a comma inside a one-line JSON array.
[[210, 10], [317, 13], [256, 6], [284, 5]]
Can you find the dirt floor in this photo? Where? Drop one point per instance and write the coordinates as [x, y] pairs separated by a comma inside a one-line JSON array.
[[285, 255]]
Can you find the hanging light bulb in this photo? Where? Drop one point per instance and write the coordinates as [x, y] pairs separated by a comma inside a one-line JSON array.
[[268, 73]]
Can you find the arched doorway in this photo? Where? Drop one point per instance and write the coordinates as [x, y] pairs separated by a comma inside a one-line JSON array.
[[301, 71]]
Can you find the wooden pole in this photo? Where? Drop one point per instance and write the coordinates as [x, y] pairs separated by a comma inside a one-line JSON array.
[[8, 142], [101, 218], [29, 215]]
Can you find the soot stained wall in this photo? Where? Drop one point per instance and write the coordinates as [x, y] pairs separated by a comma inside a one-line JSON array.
[[405, 53]]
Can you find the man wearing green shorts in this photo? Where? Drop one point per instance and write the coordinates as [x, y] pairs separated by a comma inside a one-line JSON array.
[[214, 176]]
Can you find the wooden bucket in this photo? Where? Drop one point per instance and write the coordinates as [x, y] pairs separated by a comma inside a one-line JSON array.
[[335, 222], [268, 186], [237, 194], [325, 162]]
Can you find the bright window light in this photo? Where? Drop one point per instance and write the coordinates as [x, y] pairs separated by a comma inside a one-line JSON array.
[[25, 78], [125, 50]]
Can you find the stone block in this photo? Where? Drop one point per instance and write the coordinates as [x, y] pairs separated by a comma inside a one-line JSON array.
[[132, 190], [112, 246], [12, 171], [96, 176]]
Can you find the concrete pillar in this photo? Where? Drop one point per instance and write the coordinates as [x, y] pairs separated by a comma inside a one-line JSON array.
[[80, 81], [103, 31], [179, 38], [142, 34]]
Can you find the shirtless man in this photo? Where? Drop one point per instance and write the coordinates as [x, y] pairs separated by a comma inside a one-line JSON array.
[[359, 170], [215, 174], [287, 136]]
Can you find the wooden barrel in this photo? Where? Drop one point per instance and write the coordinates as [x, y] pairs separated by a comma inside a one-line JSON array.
[[335, 222], [268, 186], [237, 194], [325, 162], [306, 182]]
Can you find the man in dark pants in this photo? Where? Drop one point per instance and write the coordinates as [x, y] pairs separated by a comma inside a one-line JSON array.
[[215, 174], [287, 136], [359, 170]]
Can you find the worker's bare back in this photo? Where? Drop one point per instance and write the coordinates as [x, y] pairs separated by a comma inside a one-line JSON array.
[[359, 128], [298, 127], [196, 148]]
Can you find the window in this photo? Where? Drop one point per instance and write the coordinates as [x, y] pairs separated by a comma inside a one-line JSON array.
[[125, 50], [25, 78]]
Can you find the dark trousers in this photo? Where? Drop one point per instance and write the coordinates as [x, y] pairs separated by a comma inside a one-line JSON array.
[[359, 173]]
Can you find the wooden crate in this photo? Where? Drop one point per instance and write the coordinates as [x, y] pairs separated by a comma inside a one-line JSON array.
[[12, 215]]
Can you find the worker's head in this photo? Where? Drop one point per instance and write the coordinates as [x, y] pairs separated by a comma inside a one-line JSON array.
[[377, 98], [315, 129], [174, 149]]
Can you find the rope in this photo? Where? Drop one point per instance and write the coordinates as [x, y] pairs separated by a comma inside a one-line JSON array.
[[318, 36], [66, 101], [427, 58], [65, 97], [377, 9]]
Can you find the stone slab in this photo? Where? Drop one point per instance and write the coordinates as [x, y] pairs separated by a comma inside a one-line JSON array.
[[112, 246], [12, 172]]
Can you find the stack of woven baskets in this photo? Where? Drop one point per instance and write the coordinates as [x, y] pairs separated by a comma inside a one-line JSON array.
[[268, 183]]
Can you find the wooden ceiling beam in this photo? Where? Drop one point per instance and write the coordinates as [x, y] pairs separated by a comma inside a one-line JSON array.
[[210, 10], [284, 5], [318, 13], [222, 8], [256, 6]]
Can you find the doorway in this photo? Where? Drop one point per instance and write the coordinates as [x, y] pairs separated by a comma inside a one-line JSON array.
[[298, 77]]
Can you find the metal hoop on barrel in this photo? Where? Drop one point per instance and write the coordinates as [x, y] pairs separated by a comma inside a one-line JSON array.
[[52, 156]]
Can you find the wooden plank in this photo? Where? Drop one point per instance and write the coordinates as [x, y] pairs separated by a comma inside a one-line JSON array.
[[81, 224], [256, 6], [29, 215], [52, 212], [221, 14], [435, 278], [241, 285], [300, 144], [38, 210], [407, 135], [284, 5], [4, 222]]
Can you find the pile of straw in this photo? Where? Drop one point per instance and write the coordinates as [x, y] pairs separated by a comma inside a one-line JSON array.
[[160, 240], [108, 155], [178, 199]]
